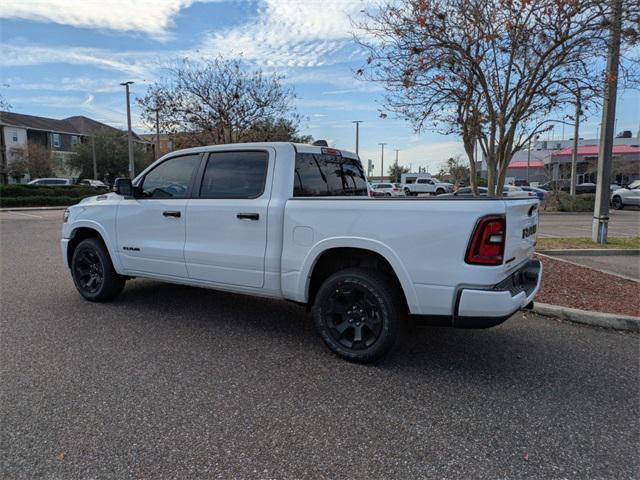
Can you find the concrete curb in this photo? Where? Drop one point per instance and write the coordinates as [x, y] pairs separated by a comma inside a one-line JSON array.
[[590, 252], [30, 209], [597, 319], [544, 212]]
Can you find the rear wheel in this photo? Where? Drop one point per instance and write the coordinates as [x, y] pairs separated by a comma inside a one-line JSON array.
[[359, 314], [387, 194], [93, 272], [616, 202]]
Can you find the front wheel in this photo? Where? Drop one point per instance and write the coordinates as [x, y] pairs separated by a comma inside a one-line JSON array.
[[93, 273], [359, 314], [439, 191], [617, 203]]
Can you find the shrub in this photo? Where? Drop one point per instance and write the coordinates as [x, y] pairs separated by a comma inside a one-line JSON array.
[[38, 201], [14, 191], [563, 202]]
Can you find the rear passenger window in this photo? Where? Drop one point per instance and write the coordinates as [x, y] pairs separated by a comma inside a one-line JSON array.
[[319, 175], [235, 175]]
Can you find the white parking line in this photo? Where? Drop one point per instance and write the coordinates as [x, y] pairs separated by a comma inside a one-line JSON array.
[[25, 214]]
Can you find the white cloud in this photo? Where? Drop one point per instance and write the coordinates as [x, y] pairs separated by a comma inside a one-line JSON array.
[[131, 63], [152, 17], [294, 33], [66, 84]]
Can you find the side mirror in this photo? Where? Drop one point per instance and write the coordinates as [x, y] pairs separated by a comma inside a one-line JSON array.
[[123, 186]]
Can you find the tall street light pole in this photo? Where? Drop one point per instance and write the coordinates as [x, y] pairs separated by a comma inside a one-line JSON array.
[[357, 122], [132, 169], [382, 162], [574, 153], [601, 208], [157, 144]]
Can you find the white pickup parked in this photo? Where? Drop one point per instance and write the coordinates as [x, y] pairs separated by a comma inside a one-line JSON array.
[[294, 222], [417, 183]]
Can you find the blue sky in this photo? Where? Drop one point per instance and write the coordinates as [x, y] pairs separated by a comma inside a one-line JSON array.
[[67, 57]]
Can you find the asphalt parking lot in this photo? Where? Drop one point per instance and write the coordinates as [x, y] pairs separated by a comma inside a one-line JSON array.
[[178, 382], [622, 223]]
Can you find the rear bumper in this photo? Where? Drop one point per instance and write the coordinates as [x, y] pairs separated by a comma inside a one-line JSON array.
[[483, 308]]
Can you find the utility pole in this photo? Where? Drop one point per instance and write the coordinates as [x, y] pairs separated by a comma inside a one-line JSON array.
[[157, 143], [382, 162], [528, 160], [601, 209], [357, 122], [397, 150], [132, 169], [93, 155], [574, 153]]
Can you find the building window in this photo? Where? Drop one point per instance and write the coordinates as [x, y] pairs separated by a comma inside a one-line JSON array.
[[74, 140], [14, 135], [55, 139]]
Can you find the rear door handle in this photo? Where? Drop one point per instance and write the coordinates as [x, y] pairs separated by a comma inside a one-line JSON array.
[[248, 216], [171, 213]]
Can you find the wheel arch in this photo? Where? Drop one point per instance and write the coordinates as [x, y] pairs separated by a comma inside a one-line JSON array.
[[82, 232], [335, 254]]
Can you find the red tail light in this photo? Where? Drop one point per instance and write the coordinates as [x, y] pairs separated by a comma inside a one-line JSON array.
[[487, 242]]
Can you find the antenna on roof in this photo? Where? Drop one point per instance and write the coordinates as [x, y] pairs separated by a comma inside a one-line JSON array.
[[320, 143]]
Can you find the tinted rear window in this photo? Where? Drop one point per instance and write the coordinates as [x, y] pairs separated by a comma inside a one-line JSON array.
[[328, 175], [235, 175]]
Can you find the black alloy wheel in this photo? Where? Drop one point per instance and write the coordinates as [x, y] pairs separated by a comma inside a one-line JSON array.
[[93, 273], [353, 317], [360, 314], [89, 271]]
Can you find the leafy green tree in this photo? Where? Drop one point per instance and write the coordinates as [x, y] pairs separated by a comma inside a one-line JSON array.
[[455, 169], [395, 172], [112, 156], [39, 162]]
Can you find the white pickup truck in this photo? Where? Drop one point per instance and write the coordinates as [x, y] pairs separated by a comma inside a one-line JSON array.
[[294, 222], [426, 185]]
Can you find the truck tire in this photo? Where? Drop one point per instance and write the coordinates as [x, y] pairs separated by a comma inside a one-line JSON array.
[[439, 191], [359, 313], [93, 272], [616, 203]]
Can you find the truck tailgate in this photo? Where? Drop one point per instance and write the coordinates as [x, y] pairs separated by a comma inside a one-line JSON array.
[[522, 226]]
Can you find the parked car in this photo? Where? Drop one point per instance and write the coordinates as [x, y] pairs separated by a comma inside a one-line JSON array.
[[51, 181], [562, 185], [585, 188], [93, 183], [427, 185], [230, 217], [626, 196], [540, 193], [388, 189]]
